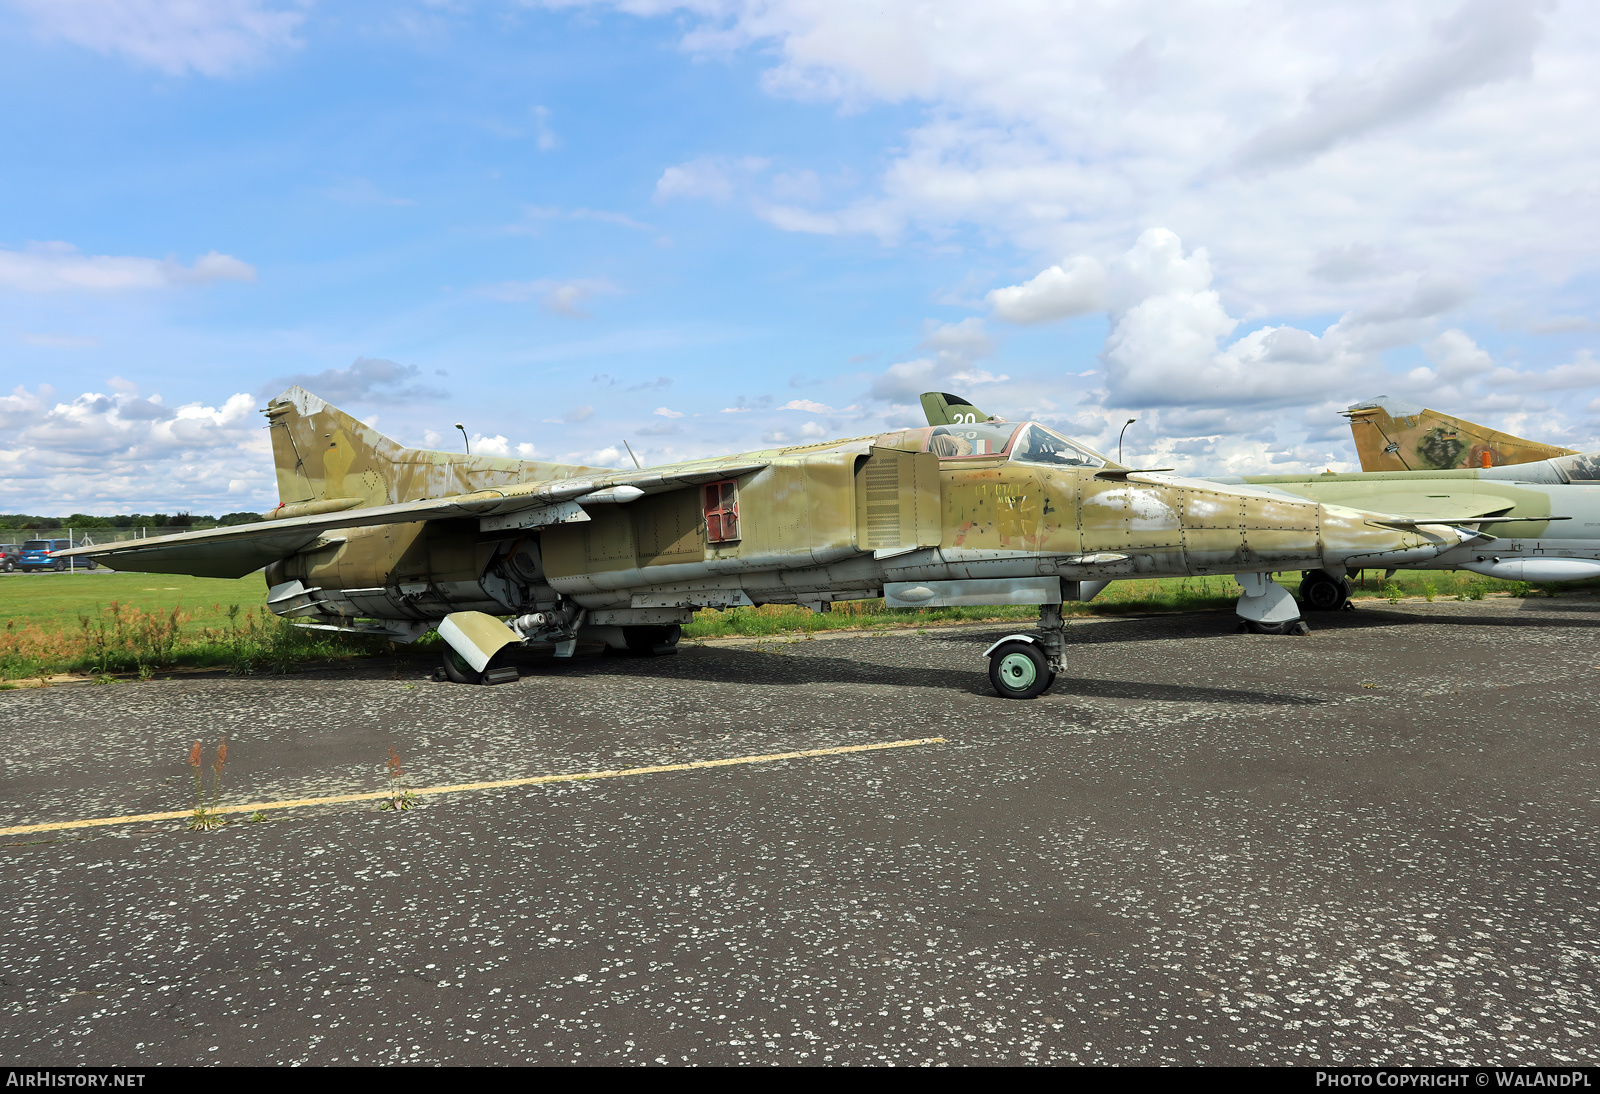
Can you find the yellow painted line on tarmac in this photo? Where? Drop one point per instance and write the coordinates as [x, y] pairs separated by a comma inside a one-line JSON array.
[[534, 780]]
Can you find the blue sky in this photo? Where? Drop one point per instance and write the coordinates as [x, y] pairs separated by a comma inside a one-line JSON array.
[[716, 225]]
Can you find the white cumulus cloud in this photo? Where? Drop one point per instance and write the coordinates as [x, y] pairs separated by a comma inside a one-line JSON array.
[[60, 267], [366, 379], [210, 37], [1172, 341], [1075, 287], [1313, 148], [950, 350], [713, 178], [1581, 372], [1484, 41], [125, 453]]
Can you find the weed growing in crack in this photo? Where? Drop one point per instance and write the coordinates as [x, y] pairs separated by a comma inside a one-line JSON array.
[[400, 795], [206, 816], [216, 772]]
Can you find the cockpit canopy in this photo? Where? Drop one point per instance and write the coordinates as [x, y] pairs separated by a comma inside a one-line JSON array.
[[1028, 442]]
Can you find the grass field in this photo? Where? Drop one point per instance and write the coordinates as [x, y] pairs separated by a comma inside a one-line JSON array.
[[118, 623], [103, 623], [40, 598]]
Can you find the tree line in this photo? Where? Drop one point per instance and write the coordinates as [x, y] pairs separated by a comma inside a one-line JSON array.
[[26, 522]]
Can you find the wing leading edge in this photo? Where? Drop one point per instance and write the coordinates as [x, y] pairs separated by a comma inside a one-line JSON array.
[[244, 548]]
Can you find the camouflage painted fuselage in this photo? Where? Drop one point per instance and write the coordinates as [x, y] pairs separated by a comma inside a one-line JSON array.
[[840, 521], [370, 529]]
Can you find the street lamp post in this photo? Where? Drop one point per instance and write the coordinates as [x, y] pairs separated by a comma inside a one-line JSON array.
[[1125, 426], [468, 443]]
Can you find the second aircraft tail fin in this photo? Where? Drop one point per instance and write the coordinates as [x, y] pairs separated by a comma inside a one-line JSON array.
[[1393, 435]]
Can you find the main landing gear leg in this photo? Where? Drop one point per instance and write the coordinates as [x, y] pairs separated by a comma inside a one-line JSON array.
[[1321, 591], [1267, 608], [1022, 666], [1053, 629]]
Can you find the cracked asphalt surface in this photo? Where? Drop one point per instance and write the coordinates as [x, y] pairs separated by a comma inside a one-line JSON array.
[[1375, 844]]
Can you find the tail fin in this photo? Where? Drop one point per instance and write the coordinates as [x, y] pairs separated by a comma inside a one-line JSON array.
[[942, 408], [326, 461], [1393, 435]]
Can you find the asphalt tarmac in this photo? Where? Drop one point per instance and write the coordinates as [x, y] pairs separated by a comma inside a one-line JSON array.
[[1374, 844]]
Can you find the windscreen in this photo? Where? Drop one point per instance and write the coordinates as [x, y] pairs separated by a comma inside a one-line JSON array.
[[1040, 445]]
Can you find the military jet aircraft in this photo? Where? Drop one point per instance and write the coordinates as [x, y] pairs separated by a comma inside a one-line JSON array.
[[1394, 435], [373, 537], [1547, 509]]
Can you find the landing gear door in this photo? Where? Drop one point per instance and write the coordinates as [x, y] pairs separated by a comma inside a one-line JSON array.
[[897, 500]]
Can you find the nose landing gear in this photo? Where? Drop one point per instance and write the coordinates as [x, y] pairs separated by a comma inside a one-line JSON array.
[[1023, 666]]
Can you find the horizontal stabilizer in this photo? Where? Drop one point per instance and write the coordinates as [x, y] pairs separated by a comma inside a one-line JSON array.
[[195, 554], [1440, 505], [1124, 472], [1407, 522]]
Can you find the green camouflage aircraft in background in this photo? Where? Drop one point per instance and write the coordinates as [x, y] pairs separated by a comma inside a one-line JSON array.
[[372, 537], [1546, 507]]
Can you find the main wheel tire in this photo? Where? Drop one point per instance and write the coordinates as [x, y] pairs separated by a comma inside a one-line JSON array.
[[652, 641], [1292, 626], [1019, 670], [1322, 592], [458, 671]]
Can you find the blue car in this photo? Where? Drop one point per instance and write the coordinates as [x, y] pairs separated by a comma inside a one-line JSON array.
[[39, 554]]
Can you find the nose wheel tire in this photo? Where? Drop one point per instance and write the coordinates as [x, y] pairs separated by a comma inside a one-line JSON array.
[[1019, 670]]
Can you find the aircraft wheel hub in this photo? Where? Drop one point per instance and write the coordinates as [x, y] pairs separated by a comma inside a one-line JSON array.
[[1018, 671]]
